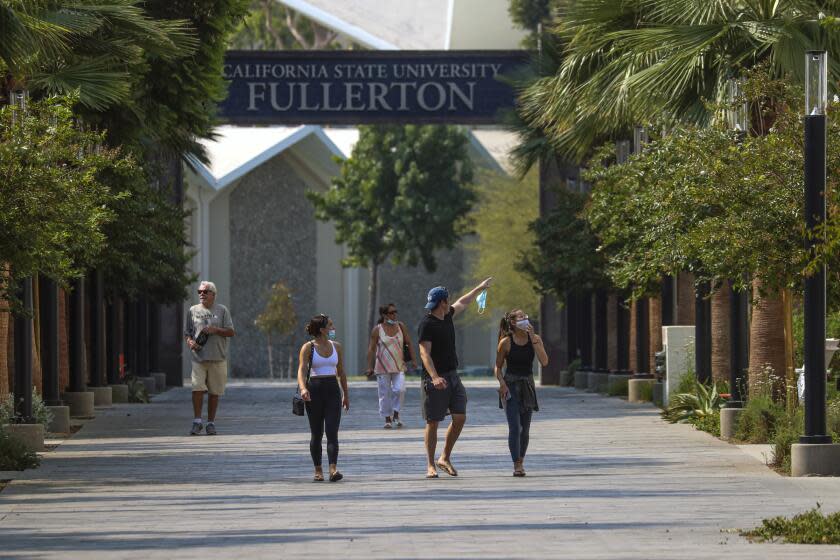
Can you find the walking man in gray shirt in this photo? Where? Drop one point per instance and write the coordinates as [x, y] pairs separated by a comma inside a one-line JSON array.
[[206, 329]]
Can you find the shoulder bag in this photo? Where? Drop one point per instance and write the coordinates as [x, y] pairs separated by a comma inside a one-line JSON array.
[[298, 406]]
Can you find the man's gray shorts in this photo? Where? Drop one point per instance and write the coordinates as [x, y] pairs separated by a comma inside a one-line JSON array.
[[437, 403]]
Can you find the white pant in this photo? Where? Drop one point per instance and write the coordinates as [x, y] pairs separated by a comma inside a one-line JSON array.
[[391, 392]]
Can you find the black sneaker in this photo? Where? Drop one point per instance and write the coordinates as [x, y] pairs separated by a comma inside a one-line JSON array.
[[211, 429]]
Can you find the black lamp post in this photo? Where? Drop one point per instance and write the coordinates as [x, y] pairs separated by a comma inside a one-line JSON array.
[[816, 97], [622, 153], [640, 138], [737, 117]]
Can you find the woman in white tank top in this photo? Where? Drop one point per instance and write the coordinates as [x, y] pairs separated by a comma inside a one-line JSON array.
[[321, 362], [385, 358]]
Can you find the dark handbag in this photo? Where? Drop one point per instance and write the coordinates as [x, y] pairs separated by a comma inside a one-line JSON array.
[[298, 404], [406, 349]]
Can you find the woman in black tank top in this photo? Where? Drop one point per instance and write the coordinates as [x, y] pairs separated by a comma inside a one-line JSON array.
[[518, 345]]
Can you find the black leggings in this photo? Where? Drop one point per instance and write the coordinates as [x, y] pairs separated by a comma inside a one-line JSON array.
[[324, 411]]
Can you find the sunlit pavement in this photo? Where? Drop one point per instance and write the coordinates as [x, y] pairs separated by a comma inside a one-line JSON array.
[[606, 479]]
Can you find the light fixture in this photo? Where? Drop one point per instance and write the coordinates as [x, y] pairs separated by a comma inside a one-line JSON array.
[[816, 82]]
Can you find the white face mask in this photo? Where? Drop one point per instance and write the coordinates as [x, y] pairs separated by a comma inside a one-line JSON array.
[[523, 324]]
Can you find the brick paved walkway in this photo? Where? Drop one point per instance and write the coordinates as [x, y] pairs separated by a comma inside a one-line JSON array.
[[606, 479]]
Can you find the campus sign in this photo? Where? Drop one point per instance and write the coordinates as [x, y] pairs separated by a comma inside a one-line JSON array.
[[365, 87]]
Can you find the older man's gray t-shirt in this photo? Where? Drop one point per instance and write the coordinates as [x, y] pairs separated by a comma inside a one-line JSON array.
[[199, 317]]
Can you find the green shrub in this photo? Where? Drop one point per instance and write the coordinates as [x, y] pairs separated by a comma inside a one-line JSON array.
[[136, 389], [758, 420], [709, 423], [811, 527], [703, 400], [39, 410], [14, 456], [687, 383], [646, 393], [618, 388]]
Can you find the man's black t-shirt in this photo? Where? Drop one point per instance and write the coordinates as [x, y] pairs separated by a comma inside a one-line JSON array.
[[441, 333]]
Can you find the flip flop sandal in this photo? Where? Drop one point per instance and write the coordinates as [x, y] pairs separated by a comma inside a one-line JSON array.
[[428, 475], [336, 476], [318, 478], [450, 470], [519, 473]]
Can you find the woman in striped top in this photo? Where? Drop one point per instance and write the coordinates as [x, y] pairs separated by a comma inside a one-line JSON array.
[[386, 359]]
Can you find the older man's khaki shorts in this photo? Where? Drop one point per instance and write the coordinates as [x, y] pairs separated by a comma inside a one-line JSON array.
[[209, 376]]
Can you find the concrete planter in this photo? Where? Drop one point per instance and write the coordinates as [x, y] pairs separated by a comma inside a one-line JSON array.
[[617, 384], [160, 381], [101, 396], [60, 423], [640, 390], [567, 379], [729, 422], [80, 403], [149, 383], [119, 393], [31, 435], [581, 380], [815, 459], [597, 382]]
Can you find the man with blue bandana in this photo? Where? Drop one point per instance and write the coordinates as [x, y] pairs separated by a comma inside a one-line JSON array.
[[443, 392]]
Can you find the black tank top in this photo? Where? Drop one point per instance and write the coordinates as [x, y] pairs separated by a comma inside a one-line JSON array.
[[520, 359]]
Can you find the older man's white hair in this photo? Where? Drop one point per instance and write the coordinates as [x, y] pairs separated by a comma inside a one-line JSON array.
[[210, 286]]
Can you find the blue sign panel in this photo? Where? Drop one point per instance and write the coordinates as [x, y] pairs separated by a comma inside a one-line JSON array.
[[364, 87]]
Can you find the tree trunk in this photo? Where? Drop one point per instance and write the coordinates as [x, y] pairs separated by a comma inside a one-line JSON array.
[[270, 359], [634, 362], [654, 330], [373, 289], [612, 331], [767, 344], [4, 355], [721, 320], [685, 299]]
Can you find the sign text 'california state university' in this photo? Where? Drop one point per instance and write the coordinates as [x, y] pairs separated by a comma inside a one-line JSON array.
[[362, 87]]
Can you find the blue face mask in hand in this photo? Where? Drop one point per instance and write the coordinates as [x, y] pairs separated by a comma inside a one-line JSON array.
[[481, 300]]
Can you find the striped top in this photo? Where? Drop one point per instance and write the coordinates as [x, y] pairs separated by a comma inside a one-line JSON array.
[[389, 352]]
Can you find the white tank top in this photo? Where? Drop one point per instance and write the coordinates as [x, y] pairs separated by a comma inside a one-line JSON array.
[[324, 367]]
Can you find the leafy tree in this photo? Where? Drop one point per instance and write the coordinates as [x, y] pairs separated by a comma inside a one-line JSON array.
[[564, 257], [625, 63], [94, 48], [501, 218], [403, 194], [533, 16], [278, 317], [53, 204], [273, 26], [145, 253]]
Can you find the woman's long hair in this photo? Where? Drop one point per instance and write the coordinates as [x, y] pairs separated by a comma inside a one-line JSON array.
[[316, 323], [507, 322], [383, 309]]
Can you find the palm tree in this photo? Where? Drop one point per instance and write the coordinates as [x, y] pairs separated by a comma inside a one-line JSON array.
[[630, 62], [91, 47]]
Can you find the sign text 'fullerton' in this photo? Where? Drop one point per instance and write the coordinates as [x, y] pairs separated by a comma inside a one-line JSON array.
[[368, 86]]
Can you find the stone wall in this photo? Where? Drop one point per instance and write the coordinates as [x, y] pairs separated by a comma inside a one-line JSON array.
[[272, 238]]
